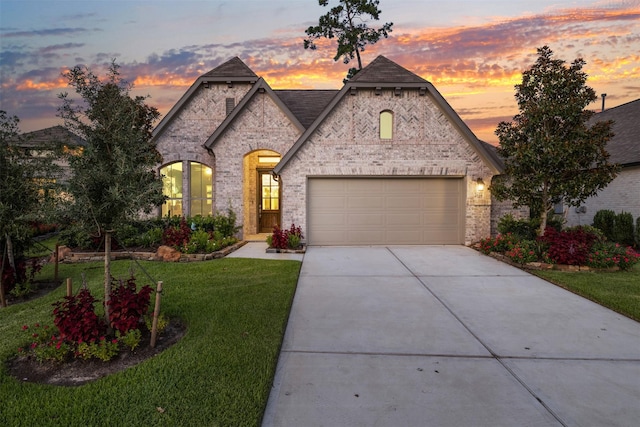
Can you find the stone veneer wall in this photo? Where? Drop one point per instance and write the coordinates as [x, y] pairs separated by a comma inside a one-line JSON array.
[[425, 143]]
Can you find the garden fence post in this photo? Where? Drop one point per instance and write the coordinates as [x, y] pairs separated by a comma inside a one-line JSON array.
[[56, 259], [69, 287], [156, 313]]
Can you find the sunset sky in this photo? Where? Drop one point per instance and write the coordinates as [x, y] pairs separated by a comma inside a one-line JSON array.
[[473, 51]]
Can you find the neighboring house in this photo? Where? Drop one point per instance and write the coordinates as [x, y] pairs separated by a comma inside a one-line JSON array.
[[623, 193], [56, 139], [384, 160]]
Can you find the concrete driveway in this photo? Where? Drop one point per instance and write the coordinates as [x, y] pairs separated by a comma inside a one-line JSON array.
[[444, 336]]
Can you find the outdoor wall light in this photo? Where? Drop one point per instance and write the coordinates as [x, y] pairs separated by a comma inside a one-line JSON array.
[[479, 184]]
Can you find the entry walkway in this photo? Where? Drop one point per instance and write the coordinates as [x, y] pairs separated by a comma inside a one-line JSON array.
[[444, 336]]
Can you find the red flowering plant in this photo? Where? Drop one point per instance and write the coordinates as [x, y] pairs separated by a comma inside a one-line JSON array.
[[522, 252], [608, 255], [43, 344]]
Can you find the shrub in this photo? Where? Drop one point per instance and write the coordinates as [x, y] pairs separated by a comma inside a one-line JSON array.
[[151, 238], [522, 252], [130, 339], [200, 241], [607, 255], [226, 224], [103, 349], [286, 239], [126, 305], [638, 232], [522, 228], [604, 220], [623, 229], [76, 319], [163, 321], [43, 345], [177, 236], [570, 246]]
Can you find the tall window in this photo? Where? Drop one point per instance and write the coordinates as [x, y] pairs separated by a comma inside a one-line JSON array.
[[198, 180], [172, 188], [201, 189], [386, 125]]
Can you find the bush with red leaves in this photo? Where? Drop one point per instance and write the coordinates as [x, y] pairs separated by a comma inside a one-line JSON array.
[[570, 247], [126, 305]]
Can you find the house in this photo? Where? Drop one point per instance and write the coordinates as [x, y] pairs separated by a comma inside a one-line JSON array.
[[384, 160], [623, 193], [51, 141]]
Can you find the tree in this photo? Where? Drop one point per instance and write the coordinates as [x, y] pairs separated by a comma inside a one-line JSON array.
[[113, 179], [27, 184], [551, 153], [346, 22]]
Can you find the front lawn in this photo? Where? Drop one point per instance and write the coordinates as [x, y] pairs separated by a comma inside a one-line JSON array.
[[619, 291], [219, 374]]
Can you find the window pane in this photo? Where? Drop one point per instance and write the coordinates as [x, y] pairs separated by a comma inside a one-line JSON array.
[[172, 180], [172, 208], [386, 125], [201, 189]]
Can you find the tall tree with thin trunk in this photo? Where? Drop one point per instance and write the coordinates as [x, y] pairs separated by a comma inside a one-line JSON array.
[[551, 152], [113, 179], [348, 23]]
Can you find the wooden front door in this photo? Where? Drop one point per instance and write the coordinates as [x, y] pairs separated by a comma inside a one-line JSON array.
[[268, 202]]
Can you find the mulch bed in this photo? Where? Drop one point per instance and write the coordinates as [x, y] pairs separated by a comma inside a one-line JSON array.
[[77, 371]]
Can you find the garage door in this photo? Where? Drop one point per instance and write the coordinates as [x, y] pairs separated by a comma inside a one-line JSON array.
[[385, 211]]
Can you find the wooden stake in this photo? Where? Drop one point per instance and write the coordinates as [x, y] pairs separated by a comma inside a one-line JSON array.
[[156, 313], [56, 260], [69, 287]]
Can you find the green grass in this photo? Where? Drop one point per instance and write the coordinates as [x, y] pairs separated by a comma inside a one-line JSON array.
[[619, 291], [219, 374]]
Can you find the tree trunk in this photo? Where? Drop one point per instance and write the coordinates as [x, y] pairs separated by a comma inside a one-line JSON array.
[[11, 256], [3, 301], [107, 275]]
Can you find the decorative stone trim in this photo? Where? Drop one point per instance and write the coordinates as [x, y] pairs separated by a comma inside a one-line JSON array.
[[546, 266], [74, 257], [286, 251]]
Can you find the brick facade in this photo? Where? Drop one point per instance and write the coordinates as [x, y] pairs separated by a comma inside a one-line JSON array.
[[621, 195], [426, 142]]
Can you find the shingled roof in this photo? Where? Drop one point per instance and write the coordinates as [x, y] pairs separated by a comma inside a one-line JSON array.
[[46, 138], [383, 70], [233, 68], [306, 105], [624, 147]]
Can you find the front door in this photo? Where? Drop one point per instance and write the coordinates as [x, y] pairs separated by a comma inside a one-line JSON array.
[[268, 202]]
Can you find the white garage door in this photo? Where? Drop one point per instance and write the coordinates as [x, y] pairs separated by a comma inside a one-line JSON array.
[[385, 211]]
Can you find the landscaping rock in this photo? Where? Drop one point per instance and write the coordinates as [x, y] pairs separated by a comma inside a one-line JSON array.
[[168, 254]]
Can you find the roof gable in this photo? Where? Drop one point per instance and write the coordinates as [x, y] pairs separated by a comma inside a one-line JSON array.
[[392, 75], [260, 86], [222, 73], [624, 147]]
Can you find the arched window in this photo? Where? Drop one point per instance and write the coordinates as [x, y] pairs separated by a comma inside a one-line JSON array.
[[386, 125], [197, 179]]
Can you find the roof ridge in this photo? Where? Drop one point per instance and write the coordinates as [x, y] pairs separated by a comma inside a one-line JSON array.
[[234, 67]]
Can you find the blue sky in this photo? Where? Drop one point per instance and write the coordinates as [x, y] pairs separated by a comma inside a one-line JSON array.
[[472, 51]]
